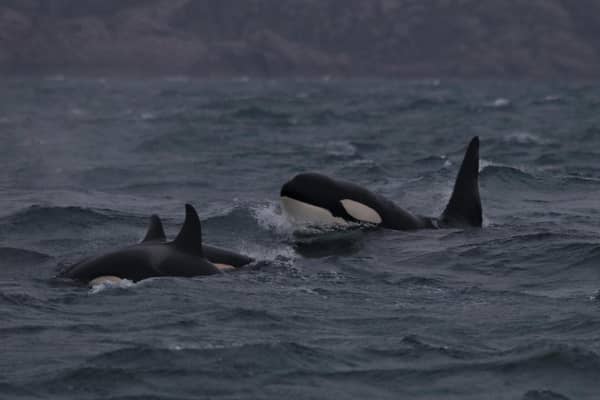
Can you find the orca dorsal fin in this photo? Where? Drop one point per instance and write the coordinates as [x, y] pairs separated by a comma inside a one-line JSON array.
[[155, 230], [464, 207], [189, 238]]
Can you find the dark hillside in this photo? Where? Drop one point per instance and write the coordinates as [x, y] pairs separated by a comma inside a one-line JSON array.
[[403, 38]]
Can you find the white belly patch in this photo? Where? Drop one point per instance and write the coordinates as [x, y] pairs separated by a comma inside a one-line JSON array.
[[361, 212], [105, 280], [224, 267], [307, 213]]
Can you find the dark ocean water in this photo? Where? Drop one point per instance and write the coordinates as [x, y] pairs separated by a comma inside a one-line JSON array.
[[505, 312]]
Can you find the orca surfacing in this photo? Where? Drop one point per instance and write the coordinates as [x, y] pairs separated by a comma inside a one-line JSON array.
[[152, 257], [318, 199], [222, 258]]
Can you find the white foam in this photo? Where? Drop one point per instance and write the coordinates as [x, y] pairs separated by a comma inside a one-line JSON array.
[[340, 148], [77, 112], [106, 283], [500, 102], [269, 254], [524, 137], [483, 164], [270, 217], [147, 116], [551, 98]]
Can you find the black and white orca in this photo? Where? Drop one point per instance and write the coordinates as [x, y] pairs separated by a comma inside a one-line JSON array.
[[153, 257], [223, 259], [320, 200]]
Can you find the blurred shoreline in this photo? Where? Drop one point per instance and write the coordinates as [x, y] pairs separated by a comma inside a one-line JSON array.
[[435, 39]]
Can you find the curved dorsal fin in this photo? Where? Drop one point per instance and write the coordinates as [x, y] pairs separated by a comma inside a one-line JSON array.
[[189, 238], [155, 230], [464, 207]]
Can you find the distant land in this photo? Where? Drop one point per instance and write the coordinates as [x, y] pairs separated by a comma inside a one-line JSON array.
[[539, 39]]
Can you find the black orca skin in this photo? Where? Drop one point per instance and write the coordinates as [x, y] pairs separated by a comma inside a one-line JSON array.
[[182, 257], [215, 255], [349, 202]]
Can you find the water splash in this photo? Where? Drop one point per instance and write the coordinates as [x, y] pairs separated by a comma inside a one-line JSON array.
[[525, 138], [106, 284], [498, 103], [340, 148], [270, 216]]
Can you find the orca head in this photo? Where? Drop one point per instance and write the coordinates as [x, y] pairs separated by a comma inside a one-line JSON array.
[[305, 187], [464, 207], [312, 199]]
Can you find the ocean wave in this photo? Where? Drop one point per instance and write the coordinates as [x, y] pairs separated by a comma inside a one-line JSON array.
[[549, 99], [20, 299], [160, 186], [504, 173], [249, 315], [543, 395], [322, 241], [339, 148], [271, 217], [579, 179], [532, 359], [193, 357], [547, 356], [171, 115], [263, 114], [15, 391], [586, 254], [499, 103], [330, 116], [15, 256], [423, 103], [170, 142], [525, 138], [420, 281], [417, 346], [256, 220], [435, 162], [52, 216], [282, 255]]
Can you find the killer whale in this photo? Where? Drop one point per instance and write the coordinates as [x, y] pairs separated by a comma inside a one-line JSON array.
[[318, 199], [152, 257], [222, 258]]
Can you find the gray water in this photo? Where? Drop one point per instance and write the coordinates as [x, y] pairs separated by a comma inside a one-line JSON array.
[[504, 312]]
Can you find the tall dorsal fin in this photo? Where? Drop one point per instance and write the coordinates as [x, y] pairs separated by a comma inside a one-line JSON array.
[[189, 238], [464, 207], [155, 230]]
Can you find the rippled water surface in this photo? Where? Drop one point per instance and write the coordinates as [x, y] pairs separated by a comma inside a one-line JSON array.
[[505, 312]]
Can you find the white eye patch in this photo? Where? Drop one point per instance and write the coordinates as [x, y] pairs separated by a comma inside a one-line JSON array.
[[361, 212]]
